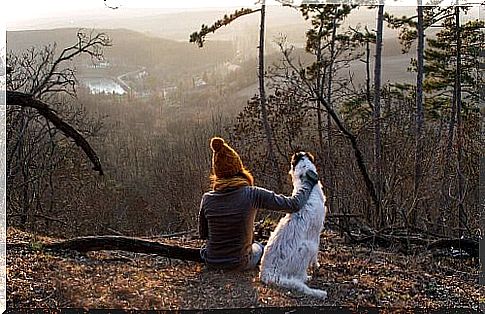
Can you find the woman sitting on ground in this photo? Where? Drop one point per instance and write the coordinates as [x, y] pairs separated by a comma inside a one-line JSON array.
[[227, 213]]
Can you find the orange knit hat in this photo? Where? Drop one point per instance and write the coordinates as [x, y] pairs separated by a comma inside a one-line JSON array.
[[226, 163]]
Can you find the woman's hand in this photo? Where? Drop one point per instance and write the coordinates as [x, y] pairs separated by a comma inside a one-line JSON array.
[[311, 176]]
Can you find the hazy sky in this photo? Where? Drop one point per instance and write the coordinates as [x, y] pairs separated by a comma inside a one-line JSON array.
[[14, 10], [18, 13], [27, 10]]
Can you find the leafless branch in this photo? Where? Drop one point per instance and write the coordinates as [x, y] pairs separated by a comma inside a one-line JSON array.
[[24, 100]]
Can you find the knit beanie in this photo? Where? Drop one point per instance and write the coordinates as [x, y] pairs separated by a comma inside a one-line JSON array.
[[226, 162]]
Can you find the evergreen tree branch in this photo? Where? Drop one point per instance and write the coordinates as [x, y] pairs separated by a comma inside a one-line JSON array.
[[199, 37]]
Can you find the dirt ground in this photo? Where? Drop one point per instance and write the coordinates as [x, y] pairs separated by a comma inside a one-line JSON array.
[[354, 276]]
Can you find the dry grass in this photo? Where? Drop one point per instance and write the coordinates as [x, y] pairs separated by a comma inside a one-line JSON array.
[[353, 276]]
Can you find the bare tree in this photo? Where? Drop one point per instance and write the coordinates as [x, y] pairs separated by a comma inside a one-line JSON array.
[[457, 92], [419, 108], [37, 82], [377, 115], [307, 88]]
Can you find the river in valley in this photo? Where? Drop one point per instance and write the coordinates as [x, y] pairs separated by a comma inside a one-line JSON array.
[[100, 85]]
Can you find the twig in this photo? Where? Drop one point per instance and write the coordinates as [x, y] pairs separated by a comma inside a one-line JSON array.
[[342, 215], [115, 231], [110, 7], [174, 234]]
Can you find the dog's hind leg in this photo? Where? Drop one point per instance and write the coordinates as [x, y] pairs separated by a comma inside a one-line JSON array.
[[295, 284], [302, 262]]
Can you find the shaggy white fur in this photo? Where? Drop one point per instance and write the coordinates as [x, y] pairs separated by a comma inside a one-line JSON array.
[[293, 246]]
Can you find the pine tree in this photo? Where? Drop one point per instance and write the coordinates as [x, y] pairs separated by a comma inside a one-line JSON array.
[[451, 85]]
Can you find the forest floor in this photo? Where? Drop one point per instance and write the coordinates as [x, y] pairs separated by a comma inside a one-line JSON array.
[[354, 276]]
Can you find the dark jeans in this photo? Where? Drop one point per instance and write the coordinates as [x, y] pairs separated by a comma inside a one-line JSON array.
[[257, 250]]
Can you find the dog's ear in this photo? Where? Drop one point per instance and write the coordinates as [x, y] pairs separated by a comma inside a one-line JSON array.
[[295, 159], [295, 150], [292, 160], [311, 157]]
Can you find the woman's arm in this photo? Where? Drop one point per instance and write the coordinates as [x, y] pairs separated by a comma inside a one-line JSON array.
[[270, 200]]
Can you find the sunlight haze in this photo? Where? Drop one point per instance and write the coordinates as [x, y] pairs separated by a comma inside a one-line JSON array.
[[28, 10]]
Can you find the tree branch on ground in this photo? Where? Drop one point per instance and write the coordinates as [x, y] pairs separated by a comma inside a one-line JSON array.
[[470, 246]]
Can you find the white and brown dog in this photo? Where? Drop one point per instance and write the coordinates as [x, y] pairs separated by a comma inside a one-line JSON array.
[[293, 246]]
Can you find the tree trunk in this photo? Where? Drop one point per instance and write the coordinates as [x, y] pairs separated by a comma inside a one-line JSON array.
[[459, 170], [331, 197], [419, 111], [262, 96], [446, 179], [319, 90], [379, 214], [367, 74]]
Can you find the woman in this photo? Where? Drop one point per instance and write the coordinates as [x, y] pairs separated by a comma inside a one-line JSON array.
[[227, 213]]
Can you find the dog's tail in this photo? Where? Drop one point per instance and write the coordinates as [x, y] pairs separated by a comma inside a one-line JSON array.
[[295, 284]]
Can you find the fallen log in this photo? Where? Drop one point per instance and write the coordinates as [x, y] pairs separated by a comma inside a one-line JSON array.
[[129, 244], [470, 246]]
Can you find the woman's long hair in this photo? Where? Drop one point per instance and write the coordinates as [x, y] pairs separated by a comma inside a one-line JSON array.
[[243, 178]]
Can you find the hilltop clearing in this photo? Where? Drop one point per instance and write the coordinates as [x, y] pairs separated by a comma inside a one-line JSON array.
[[353, 276]]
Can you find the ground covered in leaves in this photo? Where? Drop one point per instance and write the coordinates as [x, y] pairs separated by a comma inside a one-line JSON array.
[[352, 275]]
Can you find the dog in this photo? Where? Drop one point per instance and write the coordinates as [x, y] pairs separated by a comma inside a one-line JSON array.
[[293, 246]]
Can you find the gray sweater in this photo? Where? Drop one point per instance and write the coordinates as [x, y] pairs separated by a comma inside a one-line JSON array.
[[226, 220]]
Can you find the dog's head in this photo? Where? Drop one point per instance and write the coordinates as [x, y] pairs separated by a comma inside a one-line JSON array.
[[300, 163]]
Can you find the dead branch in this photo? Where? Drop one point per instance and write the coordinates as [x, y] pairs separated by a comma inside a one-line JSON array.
[[404, 242], [342, 215], [41, 217], [176, 234], [379, 240], [25, 100]]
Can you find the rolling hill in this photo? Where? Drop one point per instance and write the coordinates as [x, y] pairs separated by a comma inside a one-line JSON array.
[[132, 49]]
